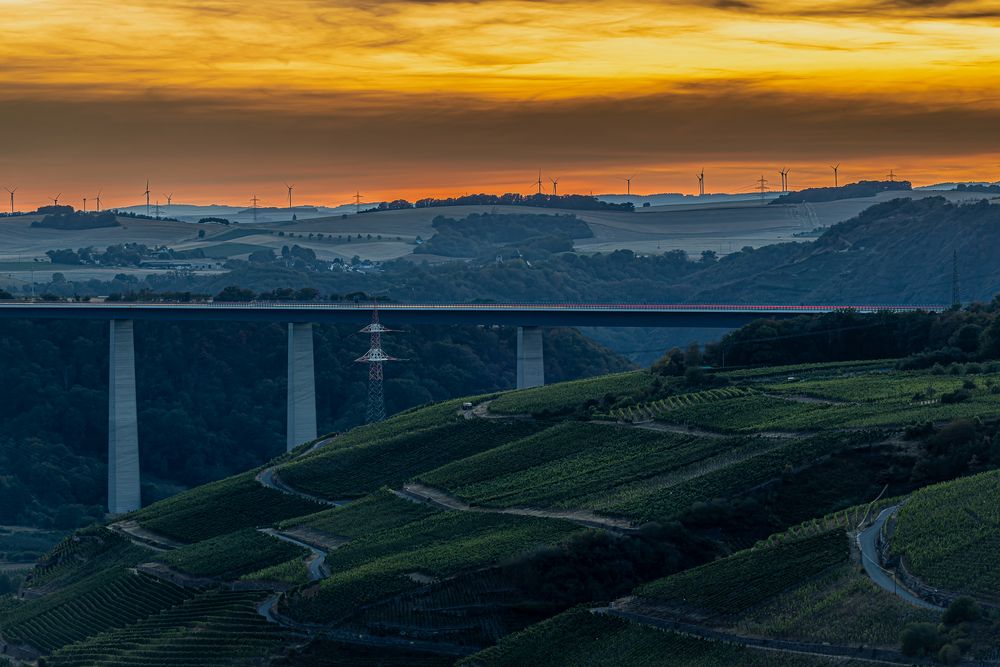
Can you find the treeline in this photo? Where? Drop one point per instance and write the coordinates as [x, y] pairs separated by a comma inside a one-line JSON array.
[[211, 399], [75, 220], [571, 202], [919, 339], [488, 234], [849, 191]]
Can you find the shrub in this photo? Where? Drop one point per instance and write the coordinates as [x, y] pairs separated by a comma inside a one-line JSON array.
[[962, 609], [956, 396], [920, 639]]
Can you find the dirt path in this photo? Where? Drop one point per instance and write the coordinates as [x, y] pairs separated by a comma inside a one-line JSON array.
[[268, 477], [315, 562], [144, 537], [425, 494], [875, 656]]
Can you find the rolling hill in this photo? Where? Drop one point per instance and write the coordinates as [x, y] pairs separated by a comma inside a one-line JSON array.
[[602, 521]]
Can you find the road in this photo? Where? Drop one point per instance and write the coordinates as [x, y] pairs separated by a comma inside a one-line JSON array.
[[868, 544]]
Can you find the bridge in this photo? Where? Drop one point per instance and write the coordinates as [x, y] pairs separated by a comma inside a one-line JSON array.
[[529, 318]]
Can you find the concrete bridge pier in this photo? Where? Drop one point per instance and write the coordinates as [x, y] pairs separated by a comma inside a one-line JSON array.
[[123, 435], [301, 386], [530, 362]]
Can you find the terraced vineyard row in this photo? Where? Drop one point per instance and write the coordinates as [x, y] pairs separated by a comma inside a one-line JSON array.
[[372, 514], [89, 551], [232, 556], [660, 408], [732, 584], [567, 396], [214, 628], [949, 534], [650, 503], [350, 472], [102, 602], [572, 464], [221, 507], [376, 566], [579, 637]]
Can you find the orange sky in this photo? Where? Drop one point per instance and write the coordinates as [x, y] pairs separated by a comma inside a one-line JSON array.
[[214, 100]]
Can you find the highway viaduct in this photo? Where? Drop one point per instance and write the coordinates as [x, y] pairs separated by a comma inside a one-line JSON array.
[[529, 318]]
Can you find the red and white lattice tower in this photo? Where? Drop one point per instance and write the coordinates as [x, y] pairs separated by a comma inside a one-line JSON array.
[[375, 357]]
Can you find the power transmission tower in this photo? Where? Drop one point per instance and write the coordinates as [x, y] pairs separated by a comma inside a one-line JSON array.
[[956, 296], [357, 202], [253, 204], [762, 184], [375, 357]]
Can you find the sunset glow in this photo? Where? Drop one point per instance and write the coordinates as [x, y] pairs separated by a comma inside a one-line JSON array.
[[220, 98]]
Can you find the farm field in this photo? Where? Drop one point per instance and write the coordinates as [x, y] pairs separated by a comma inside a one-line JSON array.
[[949, 535]]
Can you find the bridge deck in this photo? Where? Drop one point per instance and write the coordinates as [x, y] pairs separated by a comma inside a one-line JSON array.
[[522, 314]]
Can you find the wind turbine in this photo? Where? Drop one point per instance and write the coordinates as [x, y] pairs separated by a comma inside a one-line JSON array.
[[539, 181], [147, 196], [836, 180], [11, 198], [701, 182], [84, 204], [555, 186], [98, 201], [628, 184], [170, 198], [55, 200], [784, 178], [290, 188]]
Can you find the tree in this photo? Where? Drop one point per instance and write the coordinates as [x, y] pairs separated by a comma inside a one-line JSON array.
[[962, 609], [235, 293], [920, 639]]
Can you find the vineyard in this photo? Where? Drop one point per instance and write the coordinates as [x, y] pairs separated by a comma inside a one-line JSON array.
[[579, 637], [214, 628], [767, 462], [567, 396], [841, 606], [89, 551], [231, 556], [949, 535], [733, 584], [662, 408], [372, 514], [103, 601], [292, 572], [327, 653], [573, 465], [350, 472], [221, 507], [381, 564]]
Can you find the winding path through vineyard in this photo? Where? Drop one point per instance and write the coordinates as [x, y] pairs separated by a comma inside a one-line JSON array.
[[268, 477], [315, 562], [868, 544], [425, 494]]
